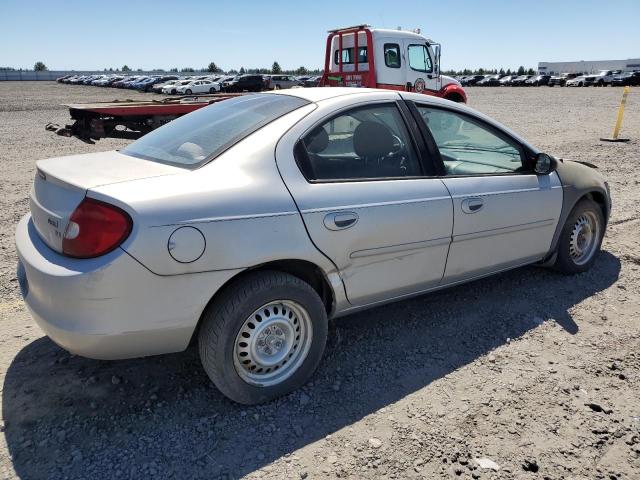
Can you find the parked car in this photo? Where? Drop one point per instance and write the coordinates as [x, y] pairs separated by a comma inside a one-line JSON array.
[[198, 86], [581, 81], [134, 83], [312, 81], [99, 79], [114, 79], [128, 80], [627, 78], [241, 83], [173, 88], [250, 222], [78, 80], [157, 88], [561, 79], [519, 80], [471, 80], [280, 82], [147, 84], [602, 79], [490, 81], [506, 81], [537, 80], [92, 78]]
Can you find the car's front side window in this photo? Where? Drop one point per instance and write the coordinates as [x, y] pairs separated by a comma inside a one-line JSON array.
[[369, 142], [468, 147]]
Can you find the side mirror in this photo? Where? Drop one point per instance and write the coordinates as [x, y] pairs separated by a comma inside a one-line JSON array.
[[437, 54], [544, 164]]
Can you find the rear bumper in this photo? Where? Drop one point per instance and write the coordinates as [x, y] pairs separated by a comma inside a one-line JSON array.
[[109, 307]]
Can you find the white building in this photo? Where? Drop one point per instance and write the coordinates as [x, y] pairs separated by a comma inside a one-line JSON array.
[[588, 66]]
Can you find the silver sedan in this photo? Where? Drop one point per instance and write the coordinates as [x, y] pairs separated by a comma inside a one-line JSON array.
[[248, 223]]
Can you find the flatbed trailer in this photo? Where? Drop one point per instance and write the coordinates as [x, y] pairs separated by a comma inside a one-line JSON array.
[[129, 119]]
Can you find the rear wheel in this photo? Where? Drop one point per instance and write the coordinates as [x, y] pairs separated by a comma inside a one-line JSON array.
[[264, 337], [188, 91], [581, 238]]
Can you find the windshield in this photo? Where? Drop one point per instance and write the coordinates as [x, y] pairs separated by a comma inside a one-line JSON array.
[[196, 138]]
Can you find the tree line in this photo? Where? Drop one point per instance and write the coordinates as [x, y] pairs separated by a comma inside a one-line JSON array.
[[488, 71]]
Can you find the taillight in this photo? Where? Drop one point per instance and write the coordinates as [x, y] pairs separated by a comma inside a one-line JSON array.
[[95, 228]]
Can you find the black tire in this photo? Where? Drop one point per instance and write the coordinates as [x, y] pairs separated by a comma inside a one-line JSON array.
[[565, 263], [212, 90], [224, 318], [188, 91]]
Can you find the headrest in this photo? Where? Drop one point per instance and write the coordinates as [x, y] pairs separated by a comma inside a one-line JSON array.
[[372, 139], [317, 141]]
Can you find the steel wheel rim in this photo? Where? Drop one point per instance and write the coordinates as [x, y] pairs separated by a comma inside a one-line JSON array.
[[584, 238], [272, 343]]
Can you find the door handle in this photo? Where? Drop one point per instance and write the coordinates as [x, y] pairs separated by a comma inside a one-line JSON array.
[[340, 220], [472, 205]]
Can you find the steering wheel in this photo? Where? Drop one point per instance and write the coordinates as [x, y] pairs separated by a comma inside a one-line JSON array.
[[398, 148]]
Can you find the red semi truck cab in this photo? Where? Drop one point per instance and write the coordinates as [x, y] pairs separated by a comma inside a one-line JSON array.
[[361, 56]]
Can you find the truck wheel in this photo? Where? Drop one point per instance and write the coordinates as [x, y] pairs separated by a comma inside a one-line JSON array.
[[581, 238], [264, 337], [454, 97]]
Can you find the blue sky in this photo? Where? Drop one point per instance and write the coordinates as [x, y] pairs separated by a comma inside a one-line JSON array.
[[71, 34]]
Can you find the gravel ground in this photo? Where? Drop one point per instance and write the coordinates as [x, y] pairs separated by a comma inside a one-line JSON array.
[[528, 374]]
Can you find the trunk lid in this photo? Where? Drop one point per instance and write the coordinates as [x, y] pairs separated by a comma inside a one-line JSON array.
[[61, 183]]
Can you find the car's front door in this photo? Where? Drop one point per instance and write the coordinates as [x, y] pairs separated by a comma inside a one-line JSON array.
[[370, 201], [504, 214]]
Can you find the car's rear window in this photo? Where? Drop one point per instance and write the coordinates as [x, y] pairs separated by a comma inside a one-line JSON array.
[[199, 137]]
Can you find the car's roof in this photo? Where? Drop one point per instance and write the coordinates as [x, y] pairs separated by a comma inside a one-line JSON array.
[[317, 94]]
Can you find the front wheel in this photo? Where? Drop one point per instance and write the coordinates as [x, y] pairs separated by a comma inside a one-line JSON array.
[[581, 238], [188, 91], [264, 337], [212, 90]]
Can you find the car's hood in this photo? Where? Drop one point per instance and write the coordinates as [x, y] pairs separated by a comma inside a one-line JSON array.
[[447, 80]]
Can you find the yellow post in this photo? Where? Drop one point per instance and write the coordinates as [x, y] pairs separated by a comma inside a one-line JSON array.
[[616, 130]]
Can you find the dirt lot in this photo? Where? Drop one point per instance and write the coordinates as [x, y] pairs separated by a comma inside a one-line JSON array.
[[537, 372]]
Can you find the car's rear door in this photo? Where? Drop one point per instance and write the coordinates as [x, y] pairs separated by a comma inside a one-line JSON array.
[[504, 214], [364, 185]]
